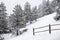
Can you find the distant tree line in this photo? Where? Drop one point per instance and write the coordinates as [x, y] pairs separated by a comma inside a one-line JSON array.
[[20, 16]]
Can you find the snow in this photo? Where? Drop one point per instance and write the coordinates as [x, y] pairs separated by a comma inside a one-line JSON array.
[[49, 19]]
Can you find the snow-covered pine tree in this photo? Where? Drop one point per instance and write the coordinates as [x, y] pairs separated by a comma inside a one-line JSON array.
[[35, 15], [18, 13], [40, 11], [57, 2], [17, 18], [27, 10], [53, 5], [43, 7], [3, 15], [46, 9]]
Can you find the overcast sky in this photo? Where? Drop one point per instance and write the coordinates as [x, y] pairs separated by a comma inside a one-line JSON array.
[[10, 4]]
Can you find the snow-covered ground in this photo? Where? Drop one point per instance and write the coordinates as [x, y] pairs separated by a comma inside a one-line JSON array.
[[49, 19]]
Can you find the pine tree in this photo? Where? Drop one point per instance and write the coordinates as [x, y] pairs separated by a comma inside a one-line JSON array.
[[27, 10], [46, 9], [18, 13], [57, 17], [53, 5], [17, 18], [40, 10], [3, 15], [34, 11]]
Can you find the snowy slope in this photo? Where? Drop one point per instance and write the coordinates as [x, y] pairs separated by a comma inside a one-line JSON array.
[[55, 35]]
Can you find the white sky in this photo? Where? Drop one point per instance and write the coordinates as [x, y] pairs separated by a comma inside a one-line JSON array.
[[10, 4]]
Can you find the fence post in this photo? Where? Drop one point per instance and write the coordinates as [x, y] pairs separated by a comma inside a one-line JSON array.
[[33, 32], [49, 29]]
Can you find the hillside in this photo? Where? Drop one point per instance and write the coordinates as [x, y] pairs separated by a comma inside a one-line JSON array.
[[49, 19]]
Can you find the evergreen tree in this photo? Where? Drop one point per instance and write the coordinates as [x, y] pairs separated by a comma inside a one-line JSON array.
[[17, 18], [45, 8], [18, 13], [35, 15], [27, 10], [57, 2], [40, 10], [53, 5], [3, 15], [48, 9]]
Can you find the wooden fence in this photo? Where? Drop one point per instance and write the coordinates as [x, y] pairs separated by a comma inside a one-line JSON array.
[[45, 27]]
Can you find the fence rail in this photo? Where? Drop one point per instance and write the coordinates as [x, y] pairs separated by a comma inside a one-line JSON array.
[[47, 30], [41, 27], [45, 27]]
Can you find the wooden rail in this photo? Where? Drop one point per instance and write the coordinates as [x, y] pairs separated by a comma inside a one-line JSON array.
[[45, 27]]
